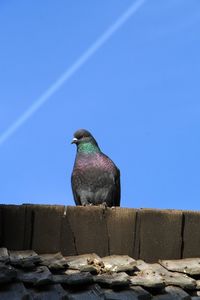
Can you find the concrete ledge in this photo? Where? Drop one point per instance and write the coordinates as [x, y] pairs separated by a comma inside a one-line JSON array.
[[148, 234]]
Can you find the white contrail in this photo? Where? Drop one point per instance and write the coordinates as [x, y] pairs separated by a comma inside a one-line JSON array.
[[71, 70]]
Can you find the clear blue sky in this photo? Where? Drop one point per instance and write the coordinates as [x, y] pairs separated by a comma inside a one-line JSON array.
[[138, 95]]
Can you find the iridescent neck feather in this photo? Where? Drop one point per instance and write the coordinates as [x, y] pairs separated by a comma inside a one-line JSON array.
[[88, 148]]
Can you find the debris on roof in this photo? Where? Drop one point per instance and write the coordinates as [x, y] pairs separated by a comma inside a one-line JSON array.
[[28, 275]]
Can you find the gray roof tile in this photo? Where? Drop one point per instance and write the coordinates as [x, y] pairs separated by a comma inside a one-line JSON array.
[[189, 266], [28, 275]]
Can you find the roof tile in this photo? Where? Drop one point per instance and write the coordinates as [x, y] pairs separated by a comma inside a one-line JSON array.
[[187, 265], [53, 261], [27, 275]]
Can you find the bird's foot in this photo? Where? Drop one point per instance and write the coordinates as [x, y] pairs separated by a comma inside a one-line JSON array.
[[103, 205], [87, 204]]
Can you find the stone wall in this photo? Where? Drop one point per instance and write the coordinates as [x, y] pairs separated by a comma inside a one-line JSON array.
[[148, 234]]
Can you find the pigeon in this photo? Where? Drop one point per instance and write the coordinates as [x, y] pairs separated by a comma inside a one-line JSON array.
[[95, 178]]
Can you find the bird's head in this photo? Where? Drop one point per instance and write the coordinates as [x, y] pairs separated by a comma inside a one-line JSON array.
[[85, 141]]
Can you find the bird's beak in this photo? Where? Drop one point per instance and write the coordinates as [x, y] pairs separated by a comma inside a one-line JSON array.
[[74, 141]]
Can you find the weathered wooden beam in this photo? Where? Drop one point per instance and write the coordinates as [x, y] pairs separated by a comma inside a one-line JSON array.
[[121, 228], [13, 226], [160, 234], [46, 228], [88, 225], [191, 234]]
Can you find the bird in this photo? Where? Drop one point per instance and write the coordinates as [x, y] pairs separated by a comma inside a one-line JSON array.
[[95, 179]]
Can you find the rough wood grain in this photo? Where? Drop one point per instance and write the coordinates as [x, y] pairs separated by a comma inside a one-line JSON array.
[[47, 228], [160, 234], [67, 239], [13, 226], [191, 236], [121, 226], [89, 229]]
